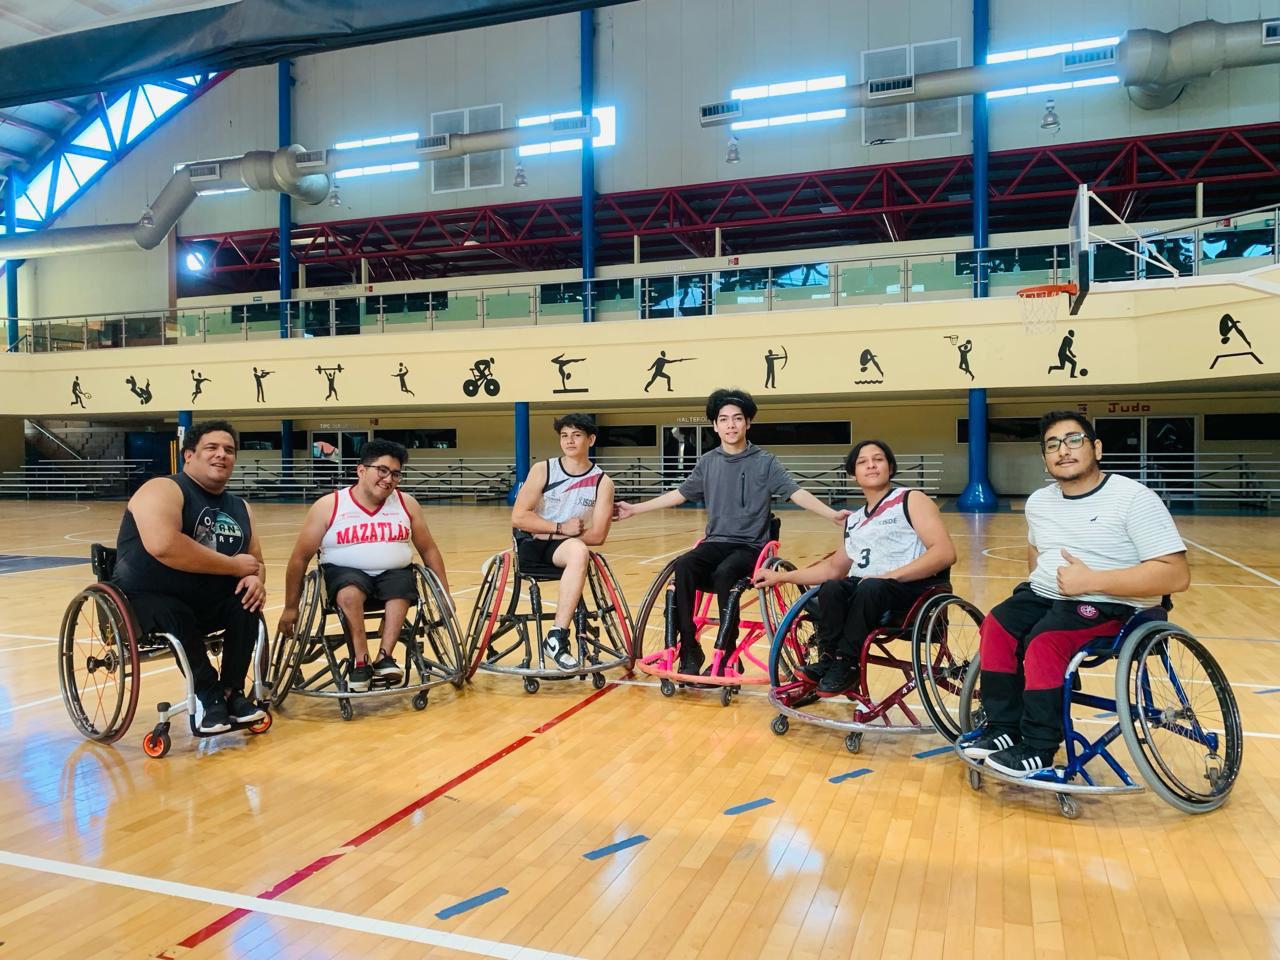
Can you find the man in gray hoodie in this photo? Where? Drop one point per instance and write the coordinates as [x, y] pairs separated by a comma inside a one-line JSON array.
[[737, 481]]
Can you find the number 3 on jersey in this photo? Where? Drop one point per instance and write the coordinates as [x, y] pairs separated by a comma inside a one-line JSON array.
[[864, 558]]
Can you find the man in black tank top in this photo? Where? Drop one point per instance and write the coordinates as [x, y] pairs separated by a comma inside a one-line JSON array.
[[190, 563]]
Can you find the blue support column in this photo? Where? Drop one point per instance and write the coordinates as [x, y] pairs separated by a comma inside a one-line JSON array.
[[522, 449], [978, 495], [284, 114], [185, 420], [587, 64], [11, 266]]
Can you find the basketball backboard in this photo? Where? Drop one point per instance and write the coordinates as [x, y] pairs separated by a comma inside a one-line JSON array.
[[1081, 264]]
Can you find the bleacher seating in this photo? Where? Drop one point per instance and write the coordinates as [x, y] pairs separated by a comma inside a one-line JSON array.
[[73, 479]]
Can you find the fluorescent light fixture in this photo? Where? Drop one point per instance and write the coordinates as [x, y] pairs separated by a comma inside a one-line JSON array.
[[1033, 53], [1092, 44], [219, 193], [1096, 82], [608, 136], [376, 141], [377, 169], [1011, 92], [1047, 87], [1007, 57], [789, 86]]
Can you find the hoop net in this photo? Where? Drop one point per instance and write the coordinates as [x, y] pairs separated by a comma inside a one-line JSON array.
[[1042, 304]]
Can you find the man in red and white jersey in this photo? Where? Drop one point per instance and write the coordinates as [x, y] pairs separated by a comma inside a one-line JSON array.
[[365, 534]]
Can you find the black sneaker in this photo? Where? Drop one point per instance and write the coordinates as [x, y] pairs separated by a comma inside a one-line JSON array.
[[1021, 760], [360, 678], [386, 668], [814, 672], [242, 709], [838, 678], [992, 741], [211, 712], [556, 646], [691, 660]]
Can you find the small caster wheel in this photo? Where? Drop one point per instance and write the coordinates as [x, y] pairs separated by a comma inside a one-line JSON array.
[[667, 687], [853, 742], [156, 744], [531, 685], [420, 700], [780, 725], [261, 726], [345, 707], [597, 681], [1069, 806], [975, 778], [726, 696]]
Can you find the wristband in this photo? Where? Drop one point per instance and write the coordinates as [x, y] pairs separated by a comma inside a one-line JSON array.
[[557, 529]]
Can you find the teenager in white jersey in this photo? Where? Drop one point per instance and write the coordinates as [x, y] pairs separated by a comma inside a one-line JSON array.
[[564, 508], [365, 534], [895, 548], [1100, 546]]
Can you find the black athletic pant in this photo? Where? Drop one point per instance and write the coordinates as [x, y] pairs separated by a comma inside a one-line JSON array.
[[161, 613], [850, 608], [711, 565]]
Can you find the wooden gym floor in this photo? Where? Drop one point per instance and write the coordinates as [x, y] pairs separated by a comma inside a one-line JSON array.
[[332, 839]]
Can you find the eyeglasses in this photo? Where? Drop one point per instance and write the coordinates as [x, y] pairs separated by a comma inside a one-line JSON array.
[[1072, 441], [384, 472]]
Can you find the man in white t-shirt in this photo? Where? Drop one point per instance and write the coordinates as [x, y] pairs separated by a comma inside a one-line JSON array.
[[1100, 546], [365, 535]]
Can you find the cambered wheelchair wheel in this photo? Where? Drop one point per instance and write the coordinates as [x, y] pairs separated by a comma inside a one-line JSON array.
[[1182, 723], [286, 652], [615, 618], [776, 601], [794, 639], [943, 644], [970, 711], [436, 630], [98, 663], [488, 608], [653, 600]]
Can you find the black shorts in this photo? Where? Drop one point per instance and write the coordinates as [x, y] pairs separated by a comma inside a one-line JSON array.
[[398, 584], [534, 557]]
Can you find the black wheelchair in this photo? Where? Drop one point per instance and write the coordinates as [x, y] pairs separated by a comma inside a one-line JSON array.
[[1172, 705], [501, 640], [308, 662], [100, 654]]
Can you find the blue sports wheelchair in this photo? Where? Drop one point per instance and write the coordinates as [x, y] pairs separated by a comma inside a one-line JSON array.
[[1172, 704]]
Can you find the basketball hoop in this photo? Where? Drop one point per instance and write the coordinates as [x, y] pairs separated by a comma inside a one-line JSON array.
[[1041, 305]]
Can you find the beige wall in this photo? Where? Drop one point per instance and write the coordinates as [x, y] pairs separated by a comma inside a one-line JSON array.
[[11, 443]]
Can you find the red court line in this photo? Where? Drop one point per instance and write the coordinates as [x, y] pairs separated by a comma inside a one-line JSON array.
[[233, 916]]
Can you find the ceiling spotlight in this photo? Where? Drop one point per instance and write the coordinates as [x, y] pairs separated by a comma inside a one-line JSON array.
[[335, 199], [1050, 119], [194, 261], [520, 179], [733, 154]]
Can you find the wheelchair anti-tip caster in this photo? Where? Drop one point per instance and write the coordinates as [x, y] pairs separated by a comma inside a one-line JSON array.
[[597, 681], [853, 742], [726, 696], [780, 725], [667, 687], [420, 700], [158, 742], [1069, 806], [975, 779], [531, 685], [344, 706]]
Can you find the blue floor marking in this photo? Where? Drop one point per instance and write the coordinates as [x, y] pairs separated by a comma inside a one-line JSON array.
[[16, 563], [935, 752], [471, 903], [615, 847], [750, 805], [1269, 690], [852, 773], [1104, 714]]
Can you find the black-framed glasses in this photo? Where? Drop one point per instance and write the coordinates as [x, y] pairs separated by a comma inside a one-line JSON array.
[[1072, 441], [385, 473]]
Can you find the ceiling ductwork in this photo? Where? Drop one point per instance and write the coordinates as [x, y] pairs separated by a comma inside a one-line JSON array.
[[1155, 66], [305, 175]]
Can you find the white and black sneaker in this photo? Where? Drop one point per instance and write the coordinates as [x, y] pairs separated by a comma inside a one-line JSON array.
[[556, 646], [987, 744], [211, 712], [386, 668], [242, 709], [1021, 761]]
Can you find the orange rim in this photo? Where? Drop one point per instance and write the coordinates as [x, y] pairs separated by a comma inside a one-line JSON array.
[[1047, 290]]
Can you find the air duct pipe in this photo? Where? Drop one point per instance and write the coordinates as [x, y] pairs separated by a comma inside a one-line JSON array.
[[1155, 66], [305, 175]]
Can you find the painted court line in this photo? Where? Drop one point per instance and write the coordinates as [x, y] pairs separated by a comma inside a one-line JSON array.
[[1234, 563], [472, 902], [1269, 690], [852, 774], [615, 847], [749, 805], [935, 752], [276, 908], [234, 916]]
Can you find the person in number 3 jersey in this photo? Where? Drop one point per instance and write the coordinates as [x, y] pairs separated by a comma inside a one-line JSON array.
[[895, 548]]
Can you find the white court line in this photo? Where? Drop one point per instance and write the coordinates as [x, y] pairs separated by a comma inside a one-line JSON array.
[[36, 703], [1234, 563], [280, 908], [27, 636], [659, 556], [31, 646], [40, 516]]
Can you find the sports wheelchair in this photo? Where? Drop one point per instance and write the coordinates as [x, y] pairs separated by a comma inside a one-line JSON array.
[[490, 623], [728, 667], [308, 664], [100, 654], [1172, 704], [943, 632]]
